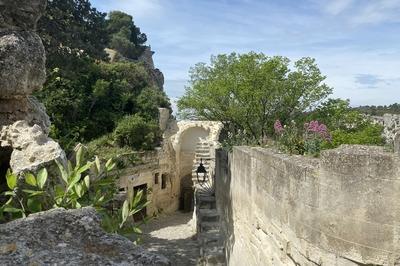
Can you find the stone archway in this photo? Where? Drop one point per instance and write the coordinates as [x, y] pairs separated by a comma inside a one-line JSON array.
[[185, 143]]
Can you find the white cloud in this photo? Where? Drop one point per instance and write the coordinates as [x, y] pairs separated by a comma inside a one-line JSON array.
[[374, 12], [335, 7], [137, 8]]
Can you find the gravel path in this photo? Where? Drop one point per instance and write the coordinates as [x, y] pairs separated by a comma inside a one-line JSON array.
[[174, 236]]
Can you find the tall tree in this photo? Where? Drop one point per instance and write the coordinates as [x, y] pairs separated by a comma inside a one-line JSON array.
[[248, 92], [70, 30], [126, 38]]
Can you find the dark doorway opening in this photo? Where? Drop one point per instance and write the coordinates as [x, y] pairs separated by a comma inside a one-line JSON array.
[[5, 157], [187, 194], [139, 216]]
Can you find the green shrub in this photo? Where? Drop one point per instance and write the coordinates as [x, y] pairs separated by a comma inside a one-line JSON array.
[[369, 134], [85, 184], [137, 133]]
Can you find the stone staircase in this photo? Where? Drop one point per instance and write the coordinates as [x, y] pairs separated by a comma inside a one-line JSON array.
[[212, 251]]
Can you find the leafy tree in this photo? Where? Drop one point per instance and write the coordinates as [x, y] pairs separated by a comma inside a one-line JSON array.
[[248, 92], [72, 29], [88, 106], [137, 133], [126, 38], [149, 100], [337, 114]]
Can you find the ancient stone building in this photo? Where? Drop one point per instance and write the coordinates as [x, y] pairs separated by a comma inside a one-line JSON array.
[[167, 173]]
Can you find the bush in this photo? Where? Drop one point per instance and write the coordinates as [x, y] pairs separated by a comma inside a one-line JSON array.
[[85, 184], [137, 133], [370, 134]]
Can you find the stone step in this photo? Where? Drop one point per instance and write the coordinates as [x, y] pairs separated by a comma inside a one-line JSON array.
[[213, 255], [211, 238], [205, 198], [208, 226], [208, 215]]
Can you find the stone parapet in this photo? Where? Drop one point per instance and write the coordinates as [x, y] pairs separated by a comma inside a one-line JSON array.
[[341, 209]]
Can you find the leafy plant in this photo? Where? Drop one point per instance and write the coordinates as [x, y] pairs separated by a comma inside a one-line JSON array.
[[85, 184], [289, 138], [137, 133]]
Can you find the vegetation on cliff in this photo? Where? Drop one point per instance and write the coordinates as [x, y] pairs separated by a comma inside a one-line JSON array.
[[85, 95]]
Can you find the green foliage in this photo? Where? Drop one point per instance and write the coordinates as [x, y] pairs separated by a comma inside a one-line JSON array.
[[71, 29], [88, 106], [126, 38], [337, 114], [85, 184], [248, 92], [85, 96], [369, 134], [348, 126], [290, 139], [137, 133], [379, 110], [149, 100]]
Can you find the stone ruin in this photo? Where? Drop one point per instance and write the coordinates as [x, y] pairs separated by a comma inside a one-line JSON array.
[[24, 124]]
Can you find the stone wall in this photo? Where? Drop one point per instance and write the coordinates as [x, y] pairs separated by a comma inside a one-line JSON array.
[[341, 209]]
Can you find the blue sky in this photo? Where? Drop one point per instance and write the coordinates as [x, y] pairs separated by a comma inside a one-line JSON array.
[[356, 42]]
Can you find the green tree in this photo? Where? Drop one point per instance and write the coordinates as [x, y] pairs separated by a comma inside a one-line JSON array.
[[248, 92], [149, 100], [126, 38], [137, 133], [72, 29]]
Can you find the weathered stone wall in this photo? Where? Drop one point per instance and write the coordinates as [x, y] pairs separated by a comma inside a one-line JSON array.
[[341, 209]]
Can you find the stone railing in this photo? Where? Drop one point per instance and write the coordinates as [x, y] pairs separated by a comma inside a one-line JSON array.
[[341, 209]]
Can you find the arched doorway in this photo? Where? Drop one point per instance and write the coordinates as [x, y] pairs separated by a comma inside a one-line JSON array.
[[189, 140]]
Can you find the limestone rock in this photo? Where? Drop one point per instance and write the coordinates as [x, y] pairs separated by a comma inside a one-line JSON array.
[[22, 64], [32, 149], [28, 109], [20, 14], [68, 237]]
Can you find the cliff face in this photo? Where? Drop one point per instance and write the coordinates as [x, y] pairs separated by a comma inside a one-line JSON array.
[[24, 124], [157, 77]]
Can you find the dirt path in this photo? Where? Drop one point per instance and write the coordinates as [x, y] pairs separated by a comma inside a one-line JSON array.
[[174, 237]]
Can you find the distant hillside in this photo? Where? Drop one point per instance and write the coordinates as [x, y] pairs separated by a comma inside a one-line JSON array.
[[379, 110]]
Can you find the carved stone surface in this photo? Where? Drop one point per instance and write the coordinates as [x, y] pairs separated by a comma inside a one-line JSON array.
[[73, 237]]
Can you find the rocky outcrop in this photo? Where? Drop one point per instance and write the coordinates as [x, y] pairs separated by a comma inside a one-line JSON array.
[[156, 76], [22, 62], [24, 124], [31, 147], [73, 237]]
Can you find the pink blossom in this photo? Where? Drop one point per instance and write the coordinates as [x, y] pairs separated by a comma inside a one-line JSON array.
[[318, 128], [278, 127]]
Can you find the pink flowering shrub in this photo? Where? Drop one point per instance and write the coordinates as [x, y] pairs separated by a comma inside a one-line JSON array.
[[289, 138], [307, 141], [278, 127], [315, 134]]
